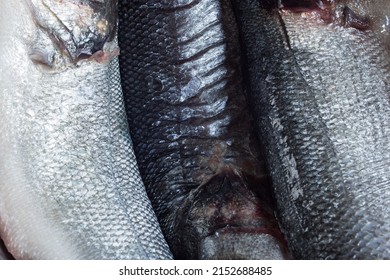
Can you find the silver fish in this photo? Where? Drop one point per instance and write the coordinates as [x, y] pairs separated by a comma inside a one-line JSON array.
[[318, 76], [69, 184]]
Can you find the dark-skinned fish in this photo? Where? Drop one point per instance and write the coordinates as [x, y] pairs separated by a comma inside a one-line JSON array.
[[193, 134]]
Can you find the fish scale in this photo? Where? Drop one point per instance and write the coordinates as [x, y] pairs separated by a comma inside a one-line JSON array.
[[70, 187], [319, 91], [360, 130], [193, 134]]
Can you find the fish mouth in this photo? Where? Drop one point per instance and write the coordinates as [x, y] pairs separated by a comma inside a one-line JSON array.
[[216, 240]]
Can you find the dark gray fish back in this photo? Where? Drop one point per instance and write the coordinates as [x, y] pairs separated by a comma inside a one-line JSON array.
[[189, 121]]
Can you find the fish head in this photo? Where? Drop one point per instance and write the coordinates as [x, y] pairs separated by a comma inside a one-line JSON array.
[[72, 30], [362, 15]]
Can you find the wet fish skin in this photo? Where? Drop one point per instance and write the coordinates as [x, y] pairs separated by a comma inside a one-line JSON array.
[[69, 184], [192, 132], [320, 92]]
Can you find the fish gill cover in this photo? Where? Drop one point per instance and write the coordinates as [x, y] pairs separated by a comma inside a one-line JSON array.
[[317, 81], [72, 30], [69, 182]]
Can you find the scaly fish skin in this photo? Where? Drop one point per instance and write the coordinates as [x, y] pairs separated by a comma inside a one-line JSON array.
[[319, 84], [69, 184], [192, 132]]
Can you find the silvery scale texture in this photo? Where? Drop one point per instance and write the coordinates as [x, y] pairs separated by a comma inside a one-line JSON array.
[[69, 184], [319, 86]]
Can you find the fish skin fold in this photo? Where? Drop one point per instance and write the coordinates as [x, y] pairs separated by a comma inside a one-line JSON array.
[[69, 183]]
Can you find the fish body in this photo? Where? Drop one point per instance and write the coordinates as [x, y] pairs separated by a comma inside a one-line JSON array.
[[318, 81], [69, 184], [192, 131]]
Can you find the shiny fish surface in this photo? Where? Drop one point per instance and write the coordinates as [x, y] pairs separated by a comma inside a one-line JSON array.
[[192, 131], [69, 184], [318, 80]]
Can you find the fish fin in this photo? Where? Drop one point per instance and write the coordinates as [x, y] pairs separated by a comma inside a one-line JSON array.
[[225, 215]]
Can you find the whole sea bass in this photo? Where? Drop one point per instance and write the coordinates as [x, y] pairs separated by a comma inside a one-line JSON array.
[[69, 184], [193, 135], [318, 77]]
